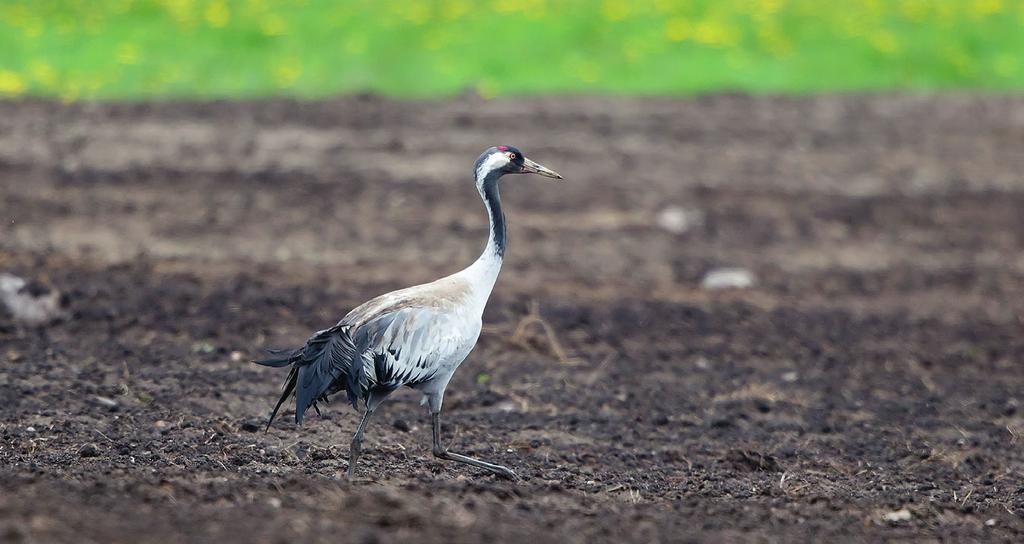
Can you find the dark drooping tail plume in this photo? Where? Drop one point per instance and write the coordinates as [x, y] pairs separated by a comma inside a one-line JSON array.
[[323, 366]]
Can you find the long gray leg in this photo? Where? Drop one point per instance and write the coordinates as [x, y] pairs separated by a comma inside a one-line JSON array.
[[357, 441], [441, 452], [374, 400]]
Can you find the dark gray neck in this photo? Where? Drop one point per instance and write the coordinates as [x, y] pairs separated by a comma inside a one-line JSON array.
[[492, 200]]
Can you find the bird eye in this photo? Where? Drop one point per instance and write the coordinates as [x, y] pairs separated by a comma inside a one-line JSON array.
[[511, 156]]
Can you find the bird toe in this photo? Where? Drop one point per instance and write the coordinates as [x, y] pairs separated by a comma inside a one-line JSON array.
[[503, 472]]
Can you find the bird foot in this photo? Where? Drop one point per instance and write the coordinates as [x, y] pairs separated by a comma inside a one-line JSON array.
[[497, 470], [505, 473]]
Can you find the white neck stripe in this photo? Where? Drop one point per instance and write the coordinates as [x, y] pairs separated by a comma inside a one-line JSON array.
[[493, 162]]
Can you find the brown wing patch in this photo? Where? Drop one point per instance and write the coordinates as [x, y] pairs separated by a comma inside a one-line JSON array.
[[441, 295]]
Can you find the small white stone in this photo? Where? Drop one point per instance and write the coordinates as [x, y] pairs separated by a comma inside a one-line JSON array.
[[26, 306], [991, 522], [679, 220], [108, 402], [506, 406], [790, 376], [728, 278], [898, 515]]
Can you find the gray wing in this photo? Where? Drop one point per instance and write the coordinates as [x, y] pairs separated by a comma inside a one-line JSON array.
[[408, 346]]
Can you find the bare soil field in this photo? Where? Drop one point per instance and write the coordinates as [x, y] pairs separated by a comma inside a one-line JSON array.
[[867, 387]]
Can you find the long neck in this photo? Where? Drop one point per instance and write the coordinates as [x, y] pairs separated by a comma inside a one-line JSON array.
[[492, 200], [484, 271]]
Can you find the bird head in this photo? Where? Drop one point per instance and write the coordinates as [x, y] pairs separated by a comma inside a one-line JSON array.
[[505, 159]]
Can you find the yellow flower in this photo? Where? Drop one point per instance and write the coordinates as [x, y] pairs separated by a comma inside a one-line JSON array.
[[535, 10], [885, 42], [256, 6], [217, 14], [44, 73], [11, 84], [714, 33], [287, 73], [434, 39], [774, 40], [915, 10], [506, 7], [180, 10], [634, 48], [615, 10], [454, 9], [678, 29], [769, 6], [986, 7], [273, 25]]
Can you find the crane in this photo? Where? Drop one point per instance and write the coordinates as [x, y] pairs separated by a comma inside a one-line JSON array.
[[415, 337]]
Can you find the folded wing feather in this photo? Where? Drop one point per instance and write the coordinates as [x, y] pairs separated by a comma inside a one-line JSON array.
[[394, 340]]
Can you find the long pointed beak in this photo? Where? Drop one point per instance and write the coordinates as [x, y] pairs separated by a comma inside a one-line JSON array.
[[530, 167]]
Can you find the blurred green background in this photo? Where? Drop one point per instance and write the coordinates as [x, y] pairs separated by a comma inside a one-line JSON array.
[[114, 49]]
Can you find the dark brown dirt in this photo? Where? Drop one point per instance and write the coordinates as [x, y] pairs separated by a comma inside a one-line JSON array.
[[868, 387]]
